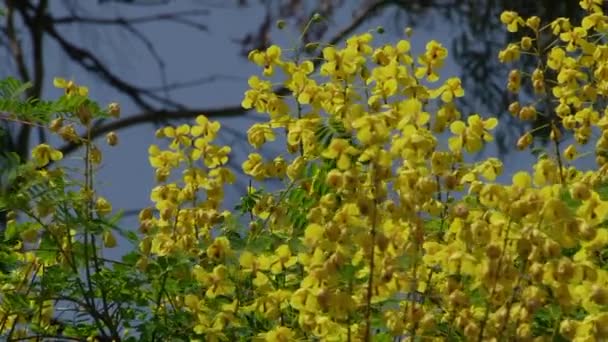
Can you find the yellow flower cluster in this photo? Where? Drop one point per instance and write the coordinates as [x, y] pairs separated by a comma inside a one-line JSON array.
[[399, 234], [381, 231]]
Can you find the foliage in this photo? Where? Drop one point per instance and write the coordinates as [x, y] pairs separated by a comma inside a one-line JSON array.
[[380, 232]]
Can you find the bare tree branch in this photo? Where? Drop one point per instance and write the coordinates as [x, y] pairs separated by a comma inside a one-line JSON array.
[[157, 116], [197, 82], [92, 63], [177, 17]]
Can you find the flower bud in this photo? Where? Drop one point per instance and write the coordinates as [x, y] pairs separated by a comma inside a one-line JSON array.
[[599, 294], [526, 43], [514, 108], [114, 110], [409, 32], [570, 152], [335, 179], [145, 226], [556, 133], [109, 241], [533, 22], [493, 251], [568, 328], [524, 141], [580, 191], [460, 210], [145, 214], [84, 114], [539, 86], [102, 206], [281, 24], [95, 155], [56, 125], [112, 139], [527, 113], [68, 133], [311, 47]]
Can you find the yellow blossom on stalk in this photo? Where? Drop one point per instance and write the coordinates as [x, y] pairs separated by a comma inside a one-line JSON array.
[[43, 154], [70, 87], [556, 58], [257, 96], [254, 166], [596, 20], [267, 59], [217, 282], [510, 54], [471, 135], [411, 111], [180, 135], [371, 129], [591, 5], [340, 63], [205, 130], [512, 20], [431, 61], [219, 249], [574, 38], [559, 25], [449, 91], [279, 334], [341, 151], [213, 156], [361, 43], [282, 260], [570, 152], [258, 134]]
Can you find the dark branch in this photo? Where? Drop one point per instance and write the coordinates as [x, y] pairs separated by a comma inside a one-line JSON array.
[[177, 17], [157, 116]]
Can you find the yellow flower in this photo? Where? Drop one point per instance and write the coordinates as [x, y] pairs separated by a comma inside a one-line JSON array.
[[258, 94], [555, 58], [180, 136], [109, 241], [450, 90], [591, 5], [259, 133], [280, 334], [570, 152], [217, 282], [339, 63], [267, 59], [254, 166], [471, 137], [512, 20], [282, 259], [361, 43], [205, 129], [43, 154], [431, 61], [509, 54], [371, 129], [219, 249], [70, 87], [573, 37], [342, 151], [102, 206]]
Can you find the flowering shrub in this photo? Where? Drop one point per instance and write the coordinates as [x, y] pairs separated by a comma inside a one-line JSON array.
[[379, 232]]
